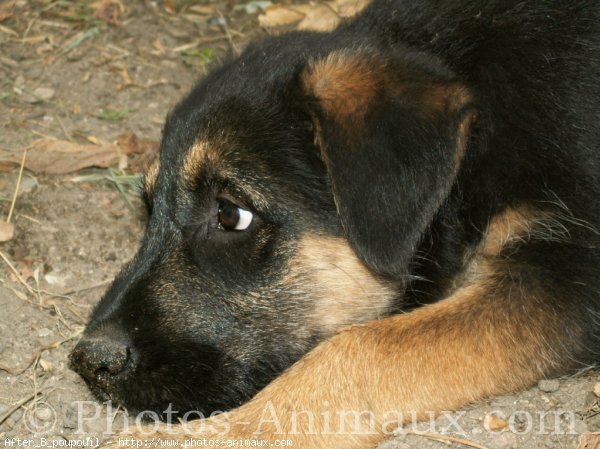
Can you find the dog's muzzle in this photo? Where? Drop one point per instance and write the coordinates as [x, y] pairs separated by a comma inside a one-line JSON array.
[[101, 359]]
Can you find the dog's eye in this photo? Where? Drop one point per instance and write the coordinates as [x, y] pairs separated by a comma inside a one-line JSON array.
[[233, 218]]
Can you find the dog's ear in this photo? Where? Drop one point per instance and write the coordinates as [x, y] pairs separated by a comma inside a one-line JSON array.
[[392, 133]]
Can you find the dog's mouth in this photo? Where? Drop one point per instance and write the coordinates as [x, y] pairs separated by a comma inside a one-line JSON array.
[[100, 392], [168, 382], [137, 397]]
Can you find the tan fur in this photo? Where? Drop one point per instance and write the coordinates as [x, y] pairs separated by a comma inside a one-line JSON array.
[[509, 226], [348, 85], [198, 155], [514, 225], [215, 154], [344, 290], [521, 224], [151, 177], [443, 98], [345, 85], [476, 343], [462, 137]]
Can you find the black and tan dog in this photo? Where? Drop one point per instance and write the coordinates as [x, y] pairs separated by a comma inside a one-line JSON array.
[[432, 157]]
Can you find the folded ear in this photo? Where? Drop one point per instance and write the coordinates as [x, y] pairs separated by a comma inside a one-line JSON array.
[[392, 132]]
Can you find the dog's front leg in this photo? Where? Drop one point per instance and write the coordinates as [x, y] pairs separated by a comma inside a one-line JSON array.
[[350, 391]]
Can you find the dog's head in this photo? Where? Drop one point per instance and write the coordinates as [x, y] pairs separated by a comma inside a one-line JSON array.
[[292, 188]]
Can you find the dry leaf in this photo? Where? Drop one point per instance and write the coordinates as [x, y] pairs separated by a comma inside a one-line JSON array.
[[597, 389], [6, 10], [54, 157], [25, 271], [7, 231], [279, 15], [170, 6], [159, 47], [24, 266], [589, 440], [44, 48], [130, 143], [126, 78], [204, 10], [46, 366], [494, 423], [141, 163], [95, 140], [6, 167], [315, 17], [320, 18], [35, 39], [145, 150], [109, 11]]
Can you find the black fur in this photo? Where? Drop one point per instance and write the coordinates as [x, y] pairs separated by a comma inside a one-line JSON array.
[[392, 189]]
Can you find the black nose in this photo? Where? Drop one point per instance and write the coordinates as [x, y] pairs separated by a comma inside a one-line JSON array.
[[99, 359]]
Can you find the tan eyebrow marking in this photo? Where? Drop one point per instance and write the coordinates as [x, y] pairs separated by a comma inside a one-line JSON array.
[[198, 155], [214, 153]]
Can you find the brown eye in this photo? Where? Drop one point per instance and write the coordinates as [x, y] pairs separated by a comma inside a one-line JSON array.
[[233, 218]]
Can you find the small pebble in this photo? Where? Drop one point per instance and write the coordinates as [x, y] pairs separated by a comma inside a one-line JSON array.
[[494, 423], [7, 231], [549, 386], [19, 82], [53, 279], [44, 332], [43, 93]]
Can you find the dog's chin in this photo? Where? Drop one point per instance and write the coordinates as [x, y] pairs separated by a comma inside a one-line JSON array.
[[163, 400], [149, 408]]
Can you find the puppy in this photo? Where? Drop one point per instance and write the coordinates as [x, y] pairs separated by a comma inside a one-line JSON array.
[[428, 170]]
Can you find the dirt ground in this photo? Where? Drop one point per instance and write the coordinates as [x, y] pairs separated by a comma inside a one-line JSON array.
[[81, 72]]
